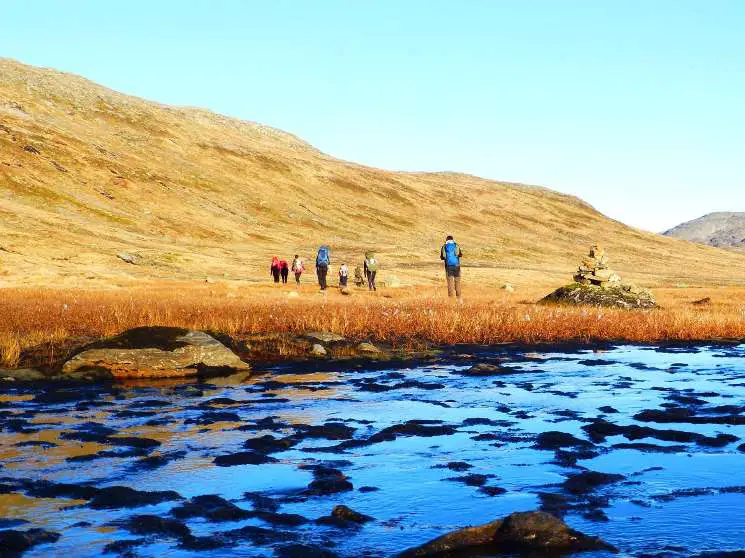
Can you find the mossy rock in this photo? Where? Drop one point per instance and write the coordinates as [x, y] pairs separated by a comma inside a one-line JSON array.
[[621, 296]]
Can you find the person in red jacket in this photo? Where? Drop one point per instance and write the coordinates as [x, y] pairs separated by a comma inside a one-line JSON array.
[[274, 269]]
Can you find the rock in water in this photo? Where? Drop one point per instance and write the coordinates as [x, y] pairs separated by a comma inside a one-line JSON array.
[[16, 542], [155, 352], [534, 533], [612, 297]]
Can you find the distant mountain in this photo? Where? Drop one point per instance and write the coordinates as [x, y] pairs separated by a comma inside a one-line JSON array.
[[723, 229]]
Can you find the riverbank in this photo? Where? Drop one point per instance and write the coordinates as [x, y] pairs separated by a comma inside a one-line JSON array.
[[42, 328]]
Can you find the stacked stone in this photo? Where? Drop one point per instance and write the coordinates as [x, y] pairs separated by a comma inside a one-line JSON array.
[[593, 270]]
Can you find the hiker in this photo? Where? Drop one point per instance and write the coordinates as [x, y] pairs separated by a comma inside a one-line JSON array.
[[297, 268], [371, 269], [343, 275], [451, 254], [359, 280], [284, 270], [323, 260], [274, 269]]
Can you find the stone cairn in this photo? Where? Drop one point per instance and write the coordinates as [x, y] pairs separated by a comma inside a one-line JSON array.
[[593, 270]]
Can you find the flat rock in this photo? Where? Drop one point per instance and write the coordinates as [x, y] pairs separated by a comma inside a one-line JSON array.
[[156, 352], [534, 533], [323, 337], [21, 375]]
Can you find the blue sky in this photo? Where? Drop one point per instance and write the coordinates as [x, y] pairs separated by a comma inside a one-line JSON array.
[[637, 106]]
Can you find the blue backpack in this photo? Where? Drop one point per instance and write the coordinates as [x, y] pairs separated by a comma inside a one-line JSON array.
[[323, 257], [451, 254]]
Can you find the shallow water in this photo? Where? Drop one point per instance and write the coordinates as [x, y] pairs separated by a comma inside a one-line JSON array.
[[650, 510]]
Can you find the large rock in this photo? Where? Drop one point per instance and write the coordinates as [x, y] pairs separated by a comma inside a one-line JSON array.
[[609, 297], [534, 533], [155, 352]]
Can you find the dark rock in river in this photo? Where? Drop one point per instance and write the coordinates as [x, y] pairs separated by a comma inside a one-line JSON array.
[[553, 440], [535, 533], [243, 458], [156, 352], [154, 525], [343, 517], [115, 497], [486, 369], [302, 551], [587, 481], [212, 507], [15, 542]]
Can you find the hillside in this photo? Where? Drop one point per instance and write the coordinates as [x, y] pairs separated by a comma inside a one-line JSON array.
[[721, 229], [87, 173]]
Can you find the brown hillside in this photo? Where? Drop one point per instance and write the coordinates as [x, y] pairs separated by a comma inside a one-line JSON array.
[[86, 173]]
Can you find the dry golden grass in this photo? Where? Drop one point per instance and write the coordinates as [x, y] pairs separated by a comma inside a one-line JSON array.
[[41, 323]]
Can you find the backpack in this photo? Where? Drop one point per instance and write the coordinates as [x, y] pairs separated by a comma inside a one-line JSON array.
[[372, 265], [451, 254], [323, 257]]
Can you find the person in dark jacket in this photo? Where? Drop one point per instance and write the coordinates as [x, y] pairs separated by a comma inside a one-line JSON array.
[[284, 270], [323, 261], [274, 269], [451, 254]]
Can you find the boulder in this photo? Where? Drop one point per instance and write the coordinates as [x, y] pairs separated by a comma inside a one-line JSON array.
[[508, 288], [367, 348], [318, 350], [533, 533], [346, 291], [608, 296], [156, 352]]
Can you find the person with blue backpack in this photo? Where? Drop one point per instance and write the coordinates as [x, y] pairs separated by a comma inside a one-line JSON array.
[[451, 254], [323, 260]]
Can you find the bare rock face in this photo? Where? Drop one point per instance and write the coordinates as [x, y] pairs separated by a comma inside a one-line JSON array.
[[155, 352], [534, 533]]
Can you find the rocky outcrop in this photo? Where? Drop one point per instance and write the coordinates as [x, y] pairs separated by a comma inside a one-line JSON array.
[[536, 533], [155, 352], [622, 296], [596, 285]]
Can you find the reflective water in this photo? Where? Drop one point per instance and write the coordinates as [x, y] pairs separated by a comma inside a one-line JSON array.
[[408, 487]]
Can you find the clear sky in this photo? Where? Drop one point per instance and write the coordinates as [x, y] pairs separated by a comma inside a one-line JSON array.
[[637, 106]]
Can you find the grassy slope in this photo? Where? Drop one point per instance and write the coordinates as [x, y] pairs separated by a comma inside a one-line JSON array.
[[195, 193]]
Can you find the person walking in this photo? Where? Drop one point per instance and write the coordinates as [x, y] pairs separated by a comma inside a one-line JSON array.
[[284, 270], [451, 254], [343, 275], [323, 261], [297, 268], [371, 270], [274, 269]]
